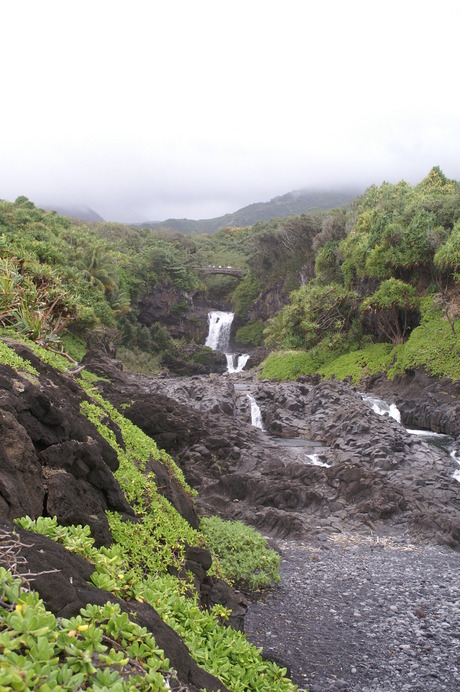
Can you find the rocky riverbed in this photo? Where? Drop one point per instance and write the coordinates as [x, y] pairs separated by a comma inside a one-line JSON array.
[[325, 463], [364, 614], [365, 514]]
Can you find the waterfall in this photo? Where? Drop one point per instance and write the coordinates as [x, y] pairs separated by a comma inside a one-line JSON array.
[[240, 363], [440, 440], [220, 324], [456, 474], [316, 461], [256, 415], [382, 408]]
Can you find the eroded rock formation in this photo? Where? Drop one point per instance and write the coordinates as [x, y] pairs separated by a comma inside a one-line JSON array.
[[328, 462]]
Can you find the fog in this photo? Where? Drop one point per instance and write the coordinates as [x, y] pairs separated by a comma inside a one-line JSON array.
[[146, 111]]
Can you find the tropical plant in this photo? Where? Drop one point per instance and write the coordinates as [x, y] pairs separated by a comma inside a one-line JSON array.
[[392, 306], [243, 553], [97, 267]]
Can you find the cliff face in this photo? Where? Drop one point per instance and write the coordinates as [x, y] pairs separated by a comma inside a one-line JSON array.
[[184, 315], [54, 462], [268, 304]]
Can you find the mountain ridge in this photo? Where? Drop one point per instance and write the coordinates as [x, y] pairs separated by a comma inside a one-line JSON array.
[[289, 204]]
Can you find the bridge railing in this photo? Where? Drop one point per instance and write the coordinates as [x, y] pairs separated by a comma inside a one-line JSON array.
[[230, 271]]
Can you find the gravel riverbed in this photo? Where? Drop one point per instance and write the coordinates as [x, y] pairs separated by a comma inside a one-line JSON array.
[[363, 614]]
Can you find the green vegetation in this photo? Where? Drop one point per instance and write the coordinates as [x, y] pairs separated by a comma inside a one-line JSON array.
[[220, 650], [372, 289], [250, 335], [9, 357], [381, 269], [96, 648], [290, 204], [434, 345], [245, 294], [353, 275], [371, 360], [288, 365], [61, 277], [242, 552]]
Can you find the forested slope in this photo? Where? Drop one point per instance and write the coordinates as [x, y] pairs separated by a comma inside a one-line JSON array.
[[384, 293]]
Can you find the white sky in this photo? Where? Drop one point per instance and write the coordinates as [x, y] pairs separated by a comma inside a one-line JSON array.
[[150, 109]]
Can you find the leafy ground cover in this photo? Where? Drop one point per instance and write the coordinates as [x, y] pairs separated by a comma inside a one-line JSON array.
[[95, 650], [434, 346], [243, 554]]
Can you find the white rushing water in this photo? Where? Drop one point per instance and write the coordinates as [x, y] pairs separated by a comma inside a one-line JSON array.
[[315, 460], [256, 415], [439, 439], [241, 361], [456, 474], [220, 325], [382, 408]]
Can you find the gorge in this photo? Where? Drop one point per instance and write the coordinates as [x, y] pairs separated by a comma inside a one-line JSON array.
[[334, 485], [345, 494], [310, 412]]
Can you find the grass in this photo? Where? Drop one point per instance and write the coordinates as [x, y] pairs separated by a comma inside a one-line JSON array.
[[433, 346]]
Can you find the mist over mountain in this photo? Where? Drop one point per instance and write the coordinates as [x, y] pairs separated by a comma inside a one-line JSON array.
[[290, 204], [74, 211]]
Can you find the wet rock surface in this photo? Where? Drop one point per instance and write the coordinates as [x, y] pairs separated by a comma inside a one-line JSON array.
[[53, 461], [364, 614], [424, 402], [365, 516], [325, 463]]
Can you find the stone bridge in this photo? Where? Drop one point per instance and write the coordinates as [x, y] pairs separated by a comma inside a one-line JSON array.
[[211, 269]]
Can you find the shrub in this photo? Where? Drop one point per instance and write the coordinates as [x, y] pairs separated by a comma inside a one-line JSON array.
[[251, 334], [242, 552], [371, 360], [288, 365]]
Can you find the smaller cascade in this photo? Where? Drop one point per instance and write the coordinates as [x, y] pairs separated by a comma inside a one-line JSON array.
[[316, 461], [240, 362], [256, 415], [382, 408], [456, 474]]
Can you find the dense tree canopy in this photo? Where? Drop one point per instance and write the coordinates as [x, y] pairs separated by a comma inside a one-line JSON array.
[[354, 275]]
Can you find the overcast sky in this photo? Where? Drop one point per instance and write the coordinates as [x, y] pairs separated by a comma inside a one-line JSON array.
[[145, 110]]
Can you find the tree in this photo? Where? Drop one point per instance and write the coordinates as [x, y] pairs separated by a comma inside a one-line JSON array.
[[316, 313], [97, 268], [447, 258], [278, 331], [323, 312], [392, 306]]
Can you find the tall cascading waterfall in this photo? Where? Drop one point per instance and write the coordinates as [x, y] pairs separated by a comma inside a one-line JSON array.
[[220, 325]]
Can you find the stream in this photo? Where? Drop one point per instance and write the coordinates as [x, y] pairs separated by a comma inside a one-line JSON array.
[[219, 336], [360, 608]]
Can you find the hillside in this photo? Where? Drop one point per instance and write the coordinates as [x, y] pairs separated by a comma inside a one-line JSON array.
[[328, 288], [98, 463], [75, 211], [290, 204], [382, 294], [108, 579]]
